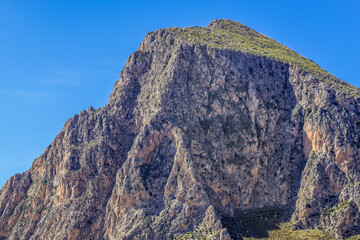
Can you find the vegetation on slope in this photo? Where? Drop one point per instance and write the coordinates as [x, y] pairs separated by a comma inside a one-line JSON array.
[[285, 233], [228, 34]]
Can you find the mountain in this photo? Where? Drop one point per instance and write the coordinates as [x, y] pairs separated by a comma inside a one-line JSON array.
[[214, 132]]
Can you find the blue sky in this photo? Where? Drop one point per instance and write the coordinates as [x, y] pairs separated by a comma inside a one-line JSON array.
[[59, 57]]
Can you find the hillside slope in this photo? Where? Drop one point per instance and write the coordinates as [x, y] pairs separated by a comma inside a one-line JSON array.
[[215, 133]]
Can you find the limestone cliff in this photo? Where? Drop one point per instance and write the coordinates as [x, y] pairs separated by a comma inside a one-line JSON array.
[[209, 133]]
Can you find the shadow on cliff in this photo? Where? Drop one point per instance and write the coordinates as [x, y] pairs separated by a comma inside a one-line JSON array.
[[254, 223], [257, 222]]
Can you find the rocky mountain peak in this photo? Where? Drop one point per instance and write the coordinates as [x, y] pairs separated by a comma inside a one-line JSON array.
[[214, 132], [228, 34], [225, 23]]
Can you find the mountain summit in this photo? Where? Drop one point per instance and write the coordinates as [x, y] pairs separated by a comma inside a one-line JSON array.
[[214, 132]]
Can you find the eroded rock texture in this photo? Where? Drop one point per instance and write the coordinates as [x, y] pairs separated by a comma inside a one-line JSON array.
[[196, 140]]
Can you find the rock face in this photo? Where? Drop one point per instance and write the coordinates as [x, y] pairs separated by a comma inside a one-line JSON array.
[[199, 140]]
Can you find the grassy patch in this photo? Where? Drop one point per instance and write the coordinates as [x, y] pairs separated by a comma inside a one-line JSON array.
[[339, 206], [46, 181], [310, 111], [198, 234], [285, 233], [357, 237], [227, 34]]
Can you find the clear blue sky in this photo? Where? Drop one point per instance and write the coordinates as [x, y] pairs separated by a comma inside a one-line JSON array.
[[59, 57]]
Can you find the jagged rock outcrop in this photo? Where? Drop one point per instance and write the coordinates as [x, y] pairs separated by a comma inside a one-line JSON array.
[[216, 133]]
